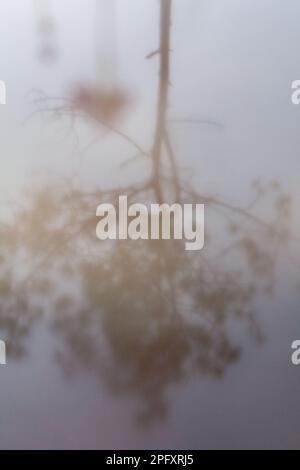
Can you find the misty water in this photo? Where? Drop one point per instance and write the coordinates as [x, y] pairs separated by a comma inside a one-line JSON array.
[[141, 344]]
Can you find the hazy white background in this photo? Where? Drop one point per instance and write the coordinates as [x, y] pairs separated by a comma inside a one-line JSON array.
[[233, 62]]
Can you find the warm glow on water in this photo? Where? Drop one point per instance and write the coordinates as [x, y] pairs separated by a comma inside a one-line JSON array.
[[140, 343]]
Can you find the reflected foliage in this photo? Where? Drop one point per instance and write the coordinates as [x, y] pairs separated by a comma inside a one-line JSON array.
[[141, 315]]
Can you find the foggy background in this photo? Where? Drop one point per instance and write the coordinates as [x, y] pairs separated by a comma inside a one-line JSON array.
[[232, 65]]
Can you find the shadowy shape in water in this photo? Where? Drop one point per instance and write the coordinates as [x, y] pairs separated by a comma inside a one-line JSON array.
[[143, 315]]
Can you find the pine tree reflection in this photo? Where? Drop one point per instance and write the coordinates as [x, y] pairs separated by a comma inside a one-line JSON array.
[[142, 315]]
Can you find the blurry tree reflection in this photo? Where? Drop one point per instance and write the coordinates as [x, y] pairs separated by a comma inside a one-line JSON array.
[[144, 314]]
